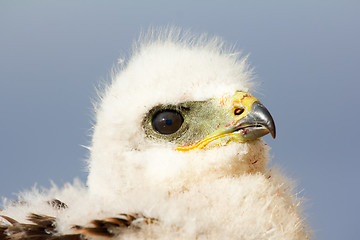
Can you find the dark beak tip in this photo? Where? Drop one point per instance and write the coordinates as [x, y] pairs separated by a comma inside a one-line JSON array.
[[272, 129], [273, 134]]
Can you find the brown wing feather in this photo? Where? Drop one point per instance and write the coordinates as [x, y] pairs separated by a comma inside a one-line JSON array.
[[110, 227], [43, 227], [2, 232]]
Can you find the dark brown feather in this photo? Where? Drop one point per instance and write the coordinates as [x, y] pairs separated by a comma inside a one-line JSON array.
[[43, 227], [2, 232], [57, 204], [110, 227]]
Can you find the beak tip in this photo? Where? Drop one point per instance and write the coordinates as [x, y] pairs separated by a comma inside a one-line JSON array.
[[272, 130], [273, 134]]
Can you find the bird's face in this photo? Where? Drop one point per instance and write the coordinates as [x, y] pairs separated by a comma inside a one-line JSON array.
[[174, 116], [194, 125]]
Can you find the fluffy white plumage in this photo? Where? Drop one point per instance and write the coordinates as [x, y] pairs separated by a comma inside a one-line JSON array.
[[219, 193]]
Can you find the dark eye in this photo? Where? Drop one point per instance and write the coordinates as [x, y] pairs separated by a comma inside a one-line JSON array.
[[167, 121]]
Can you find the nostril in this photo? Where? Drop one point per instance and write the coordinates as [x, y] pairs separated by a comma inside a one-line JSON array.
[[238, 111]]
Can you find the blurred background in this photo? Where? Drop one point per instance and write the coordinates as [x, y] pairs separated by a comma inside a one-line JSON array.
[[306, 55]]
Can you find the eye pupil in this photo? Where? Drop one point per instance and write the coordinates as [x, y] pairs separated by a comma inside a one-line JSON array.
[[167, 121]]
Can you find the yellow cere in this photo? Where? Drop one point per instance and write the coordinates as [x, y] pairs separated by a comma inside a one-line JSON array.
[[243, 100]]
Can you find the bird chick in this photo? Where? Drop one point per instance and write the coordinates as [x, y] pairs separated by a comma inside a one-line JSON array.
[[176, 153]]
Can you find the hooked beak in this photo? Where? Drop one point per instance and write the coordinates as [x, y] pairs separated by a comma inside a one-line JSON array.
[[257, 123]]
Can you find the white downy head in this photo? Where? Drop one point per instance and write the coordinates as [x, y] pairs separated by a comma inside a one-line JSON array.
[[166, 67]]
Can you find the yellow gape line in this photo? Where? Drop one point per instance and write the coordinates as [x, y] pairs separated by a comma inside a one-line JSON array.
[[201, 144]]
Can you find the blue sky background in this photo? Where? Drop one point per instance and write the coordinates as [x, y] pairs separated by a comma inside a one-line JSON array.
[[306, 55]]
